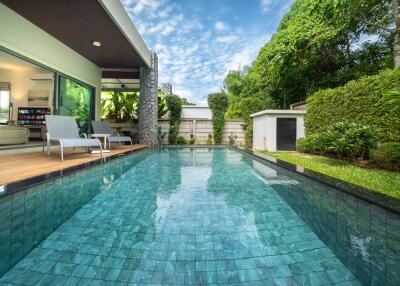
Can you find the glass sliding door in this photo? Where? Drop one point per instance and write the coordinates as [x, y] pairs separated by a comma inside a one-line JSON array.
[[77, 100], [5, 94]]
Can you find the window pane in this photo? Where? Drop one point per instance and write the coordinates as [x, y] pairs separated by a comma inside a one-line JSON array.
[[75, 100], [4, 105]]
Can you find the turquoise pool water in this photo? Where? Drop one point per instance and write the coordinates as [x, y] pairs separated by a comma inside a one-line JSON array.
[[194, 216]]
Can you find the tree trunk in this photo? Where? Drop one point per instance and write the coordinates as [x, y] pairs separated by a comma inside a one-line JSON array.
[[395, 8]]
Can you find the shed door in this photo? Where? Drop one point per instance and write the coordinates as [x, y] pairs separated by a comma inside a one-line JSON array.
[[286, 134]]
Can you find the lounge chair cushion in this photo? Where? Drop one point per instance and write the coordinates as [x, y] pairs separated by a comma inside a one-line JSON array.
[[102, 127], [120, 139], [79, 142]]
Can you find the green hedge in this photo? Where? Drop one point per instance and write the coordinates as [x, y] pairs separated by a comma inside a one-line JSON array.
[[218, 103], [360, 101], [174, 104]]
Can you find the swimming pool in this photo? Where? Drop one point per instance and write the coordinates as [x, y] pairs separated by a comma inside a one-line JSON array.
[[194, 216]]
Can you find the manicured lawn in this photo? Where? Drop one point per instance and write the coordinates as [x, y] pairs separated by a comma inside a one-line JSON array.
[[379, 180]]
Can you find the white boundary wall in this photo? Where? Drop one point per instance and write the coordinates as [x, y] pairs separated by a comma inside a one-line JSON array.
[[200, 128]]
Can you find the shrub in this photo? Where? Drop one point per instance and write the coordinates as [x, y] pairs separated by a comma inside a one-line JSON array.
[[358, 101], [232, 139], [174, 105], [343, 140], [172, 135], [303, 145], [351, 140], [314, 143], [218, 103], [248, 135], [387, 156], [209, 140], [192, 139], [181, 140]]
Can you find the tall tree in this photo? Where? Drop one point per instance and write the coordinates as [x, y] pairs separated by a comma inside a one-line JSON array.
[[320, 44]]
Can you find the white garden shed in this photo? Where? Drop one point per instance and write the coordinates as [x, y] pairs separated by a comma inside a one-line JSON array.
[[276, 130]]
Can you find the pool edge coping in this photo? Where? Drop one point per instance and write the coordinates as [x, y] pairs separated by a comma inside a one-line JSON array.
[[20, 185], [387, 202]]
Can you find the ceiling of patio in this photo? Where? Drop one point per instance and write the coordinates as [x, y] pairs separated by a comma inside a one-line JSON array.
[[77, 24], [120, 80]]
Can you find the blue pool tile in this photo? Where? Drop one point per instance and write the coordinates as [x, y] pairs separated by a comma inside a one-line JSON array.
[[207, 217]]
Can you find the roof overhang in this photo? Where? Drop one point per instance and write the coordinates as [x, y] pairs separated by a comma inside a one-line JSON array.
[[120, 80], [78, 23], [279, 112]]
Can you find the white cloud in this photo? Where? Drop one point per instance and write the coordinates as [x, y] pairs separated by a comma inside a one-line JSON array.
[[194, 52], [142, 5], [226, 39], [265, 5], [183, 92], [220, 26]]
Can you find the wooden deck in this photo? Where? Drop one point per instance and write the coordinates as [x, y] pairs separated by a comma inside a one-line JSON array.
[[23, 165]]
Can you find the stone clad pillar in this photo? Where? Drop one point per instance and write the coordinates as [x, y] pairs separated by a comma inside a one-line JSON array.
[[148, 104]]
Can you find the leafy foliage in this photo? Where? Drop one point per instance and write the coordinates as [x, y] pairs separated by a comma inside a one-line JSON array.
[[387, 156], [192, 139], [186, 102], [359, 101], [218, 103], [174, 105], [317, 45], [181, 140], [120, 105], [75, 102], [343, 140], [162, 108], [209, 140], [232, 139], [392, 99]]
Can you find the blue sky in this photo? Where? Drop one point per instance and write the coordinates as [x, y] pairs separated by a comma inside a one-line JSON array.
[[199, 41]]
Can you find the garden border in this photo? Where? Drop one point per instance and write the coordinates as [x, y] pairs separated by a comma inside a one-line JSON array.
[[371, 196]]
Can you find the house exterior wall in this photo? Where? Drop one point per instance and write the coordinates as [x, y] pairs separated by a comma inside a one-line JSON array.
[[196, 112], [24, 38], [264, 129]]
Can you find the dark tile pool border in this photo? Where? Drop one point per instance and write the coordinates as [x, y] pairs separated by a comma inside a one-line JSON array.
[[371, 196], [13, 187]]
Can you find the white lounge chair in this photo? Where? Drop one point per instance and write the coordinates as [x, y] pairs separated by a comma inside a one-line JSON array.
[[64, 131], [103, 127]]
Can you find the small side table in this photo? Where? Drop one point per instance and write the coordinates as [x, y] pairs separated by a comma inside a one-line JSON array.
[[104, 136]]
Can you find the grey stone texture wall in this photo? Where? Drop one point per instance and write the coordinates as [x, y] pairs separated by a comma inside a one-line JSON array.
[[148, 104]]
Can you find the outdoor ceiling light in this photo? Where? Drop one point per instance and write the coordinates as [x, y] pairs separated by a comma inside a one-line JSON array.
[[96, 43]]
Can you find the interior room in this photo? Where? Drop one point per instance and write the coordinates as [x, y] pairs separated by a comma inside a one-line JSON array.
[[29, 92], [26, 96]]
